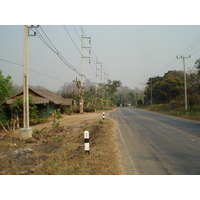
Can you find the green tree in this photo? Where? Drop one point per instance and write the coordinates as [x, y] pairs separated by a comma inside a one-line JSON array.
[[166, 88], [153, 83], [17, 108], [171, 87], [5, 87], [194, 85], [111, 86], [91, 99], [197, 65], [108, 91]]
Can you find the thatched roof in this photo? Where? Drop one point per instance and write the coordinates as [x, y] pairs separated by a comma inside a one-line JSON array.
[[36, 99], [56, 99], [40, 96]]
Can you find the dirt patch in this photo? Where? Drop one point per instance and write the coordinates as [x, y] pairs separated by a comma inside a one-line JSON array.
[[61, 151]]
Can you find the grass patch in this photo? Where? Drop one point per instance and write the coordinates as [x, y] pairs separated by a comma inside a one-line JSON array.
[[101, 122], [59, 139]]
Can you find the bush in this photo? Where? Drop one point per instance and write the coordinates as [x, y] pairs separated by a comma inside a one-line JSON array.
[[88, 109], [3, 117], [101, 122]]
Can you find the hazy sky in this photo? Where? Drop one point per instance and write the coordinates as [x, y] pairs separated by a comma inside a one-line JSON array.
[[129, 53]]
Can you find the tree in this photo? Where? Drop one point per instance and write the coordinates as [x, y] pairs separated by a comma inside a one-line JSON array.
[[197, 65], [171, 87], [92, 99], [5, 87], [194, 85], [153, 83], [111, 86], [108, 90], [81, 92], [166, 88], [17, 108]]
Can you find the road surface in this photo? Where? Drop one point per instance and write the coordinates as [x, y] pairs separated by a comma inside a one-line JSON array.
[[152, 143]]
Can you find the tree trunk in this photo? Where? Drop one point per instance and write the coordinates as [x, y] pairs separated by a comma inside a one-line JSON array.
[[81, 105]]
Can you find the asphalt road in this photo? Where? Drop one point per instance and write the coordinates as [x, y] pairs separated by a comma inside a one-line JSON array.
[[152, 143]]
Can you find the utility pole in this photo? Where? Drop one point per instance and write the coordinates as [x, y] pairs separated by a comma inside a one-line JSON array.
[[183, 57], [81, 75], [106, 76], [98, 69], [26, 131], [150, 82]]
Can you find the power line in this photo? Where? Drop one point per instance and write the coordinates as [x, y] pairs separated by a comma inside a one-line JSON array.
[[72, 39], [84, 46], [91, 48], [44, 41], [185, 51], [76, 32], [189, 47], [77, 47], [195, 52], [11, 62], [55, 50], [33, 70]]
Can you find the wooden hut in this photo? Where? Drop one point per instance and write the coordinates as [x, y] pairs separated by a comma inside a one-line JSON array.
[[46, 101]]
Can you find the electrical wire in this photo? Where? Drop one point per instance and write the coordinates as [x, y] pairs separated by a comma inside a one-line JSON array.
[[195, 52], [62, 57], [77, 47], [185, 51], [11, 62], [91, 47], [32, 70], [87, 50], [72, 40], [55, 50]]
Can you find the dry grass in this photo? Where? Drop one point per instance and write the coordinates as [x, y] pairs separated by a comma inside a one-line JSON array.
[[62, 152], [71, 158], [191, 114]]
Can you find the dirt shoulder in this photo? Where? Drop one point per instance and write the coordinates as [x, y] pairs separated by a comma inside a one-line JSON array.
[[60, 150]]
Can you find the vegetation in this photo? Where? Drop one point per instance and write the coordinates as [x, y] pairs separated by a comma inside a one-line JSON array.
[[169, 89], [5, 87], [102, 97], [168, 93], [17, 108], [62, 152]]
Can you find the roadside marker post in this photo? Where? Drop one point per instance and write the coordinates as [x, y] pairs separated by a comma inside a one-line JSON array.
[[86, 142], [104, 115]]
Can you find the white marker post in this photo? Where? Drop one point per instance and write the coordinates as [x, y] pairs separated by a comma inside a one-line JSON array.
[[86, 142], [104, 115]]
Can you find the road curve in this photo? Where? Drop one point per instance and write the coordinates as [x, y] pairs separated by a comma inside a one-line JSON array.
[[152, 143]]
